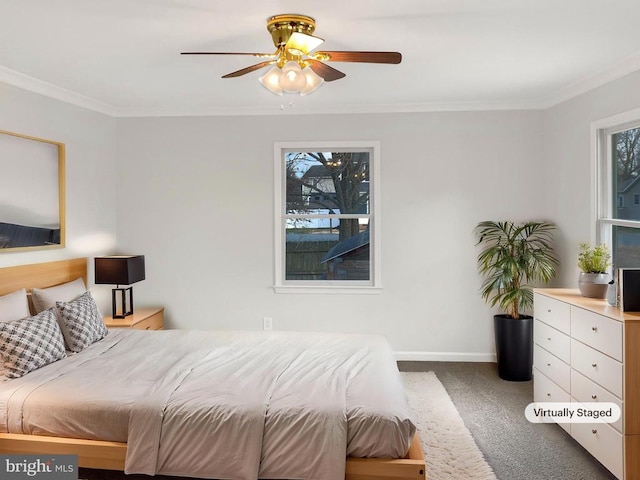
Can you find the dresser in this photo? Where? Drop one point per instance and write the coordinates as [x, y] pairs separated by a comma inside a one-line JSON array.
[[588, 351]]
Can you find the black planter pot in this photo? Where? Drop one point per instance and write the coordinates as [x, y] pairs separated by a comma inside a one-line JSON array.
[[514, 347]]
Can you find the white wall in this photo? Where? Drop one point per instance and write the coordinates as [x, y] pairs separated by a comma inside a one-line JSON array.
[[570, 167], [90, 166], [195, 196]]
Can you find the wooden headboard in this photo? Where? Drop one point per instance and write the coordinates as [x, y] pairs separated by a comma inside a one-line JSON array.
[[42, 275]]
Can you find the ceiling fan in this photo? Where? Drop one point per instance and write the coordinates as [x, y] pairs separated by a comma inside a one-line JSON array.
[[295, 67]]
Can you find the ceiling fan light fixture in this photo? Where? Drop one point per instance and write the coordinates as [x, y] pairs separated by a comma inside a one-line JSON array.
[[271, 79], [296, 69], [292, 79], [313, 81]]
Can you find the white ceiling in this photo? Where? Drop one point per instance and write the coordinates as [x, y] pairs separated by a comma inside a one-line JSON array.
[[121, 57]]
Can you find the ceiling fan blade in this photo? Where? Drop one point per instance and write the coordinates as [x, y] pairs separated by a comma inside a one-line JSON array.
[[250, 69], [301, 43], [366, 57], [260, 55], [325, 71]]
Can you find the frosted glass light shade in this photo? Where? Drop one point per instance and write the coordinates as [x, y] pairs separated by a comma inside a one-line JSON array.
[[270, 80], [301, 43], [292, 80], [313, 81]]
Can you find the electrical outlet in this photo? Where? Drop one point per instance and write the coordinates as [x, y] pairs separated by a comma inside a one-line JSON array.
[[267, 323]]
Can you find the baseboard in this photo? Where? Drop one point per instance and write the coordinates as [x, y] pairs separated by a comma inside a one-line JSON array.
[[445, 357]]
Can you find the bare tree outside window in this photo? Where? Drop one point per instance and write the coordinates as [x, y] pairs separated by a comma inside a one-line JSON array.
[[627, 151], [327, 215], [625, 162]]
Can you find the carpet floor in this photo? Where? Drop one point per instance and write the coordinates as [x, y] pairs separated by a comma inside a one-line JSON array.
[[493, 411]]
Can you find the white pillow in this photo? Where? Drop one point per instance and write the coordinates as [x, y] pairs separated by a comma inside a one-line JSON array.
[[45, 298], [14, 306]]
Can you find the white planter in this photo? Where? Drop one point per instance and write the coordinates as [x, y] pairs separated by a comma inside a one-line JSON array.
[[593, 285]]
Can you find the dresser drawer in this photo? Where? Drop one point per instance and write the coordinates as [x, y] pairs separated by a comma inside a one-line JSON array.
[[597, 366], [584, 390], [552, 367], [552, 340], [603, 442], [544, 390], [601, 333], [552, 312]]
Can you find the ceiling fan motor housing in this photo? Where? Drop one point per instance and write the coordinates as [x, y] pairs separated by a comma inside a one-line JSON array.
[[281, 27]]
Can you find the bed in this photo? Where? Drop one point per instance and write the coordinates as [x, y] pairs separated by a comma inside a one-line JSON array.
[[189, 371]]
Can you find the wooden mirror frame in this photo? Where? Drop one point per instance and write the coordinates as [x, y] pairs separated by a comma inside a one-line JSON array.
[[60, 148]]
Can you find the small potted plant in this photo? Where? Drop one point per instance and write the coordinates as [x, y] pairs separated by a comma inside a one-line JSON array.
[[514, 256], [593, 263]]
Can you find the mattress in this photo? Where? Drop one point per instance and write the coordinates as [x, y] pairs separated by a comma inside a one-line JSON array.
[[207, 404]]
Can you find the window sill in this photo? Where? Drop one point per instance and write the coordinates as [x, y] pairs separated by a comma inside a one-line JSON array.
[[328, 289]]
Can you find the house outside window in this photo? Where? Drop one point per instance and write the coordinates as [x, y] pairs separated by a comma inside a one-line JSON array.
[[618, 186], [327, 217]]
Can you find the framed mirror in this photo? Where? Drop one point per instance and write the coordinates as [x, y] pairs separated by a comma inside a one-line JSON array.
[[32, 193]]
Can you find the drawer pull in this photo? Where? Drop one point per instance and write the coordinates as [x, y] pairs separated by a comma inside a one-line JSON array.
[[594, 396], [594, 365], [548, 364], [549, 338], [595, 329], [594, 431], [548, 394]]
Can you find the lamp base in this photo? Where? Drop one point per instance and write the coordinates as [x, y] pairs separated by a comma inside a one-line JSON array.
[[125, 303]]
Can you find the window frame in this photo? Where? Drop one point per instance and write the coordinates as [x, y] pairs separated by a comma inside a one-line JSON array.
[[374, 284], [603, 215]]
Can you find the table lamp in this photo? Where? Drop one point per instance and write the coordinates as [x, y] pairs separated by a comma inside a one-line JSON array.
[[120, 270]]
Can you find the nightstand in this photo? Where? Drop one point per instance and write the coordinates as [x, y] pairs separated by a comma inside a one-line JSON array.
[[143, 318]]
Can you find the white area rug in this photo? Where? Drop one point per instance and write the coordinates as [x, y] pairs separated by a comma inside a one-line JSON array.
[[449, 449]]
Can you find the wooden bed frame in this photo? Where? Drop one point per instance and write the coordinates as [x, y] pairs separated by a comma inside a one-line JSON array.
[[111, 455]]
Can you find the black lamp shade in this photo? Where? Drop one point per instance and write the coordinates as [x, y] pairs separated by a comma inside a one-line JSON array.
[[119, 269]]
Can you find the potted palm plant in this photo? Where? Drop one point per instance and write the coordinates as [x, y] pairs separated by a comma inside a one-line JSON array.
[[512, 258], [593, 263]]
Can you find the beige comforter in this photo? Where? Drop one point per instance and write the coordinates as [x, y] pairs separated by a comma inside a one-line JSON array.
[[225, 405]]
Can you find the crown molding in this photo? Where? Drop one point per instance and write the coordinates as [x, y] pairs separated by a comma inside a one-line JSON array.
[[32, 84], [326, 109], [618, 70], [624, 67]]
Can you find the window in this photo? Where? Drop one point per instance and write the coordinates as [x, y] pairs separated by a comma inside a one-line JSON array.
[[327, 225], [618, 224]]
